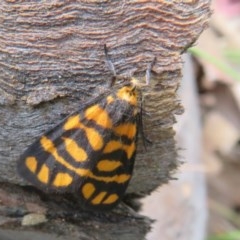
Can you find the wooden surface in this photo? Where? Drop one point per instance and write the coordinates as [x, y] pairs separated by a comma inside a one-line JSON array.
[[52, 60]]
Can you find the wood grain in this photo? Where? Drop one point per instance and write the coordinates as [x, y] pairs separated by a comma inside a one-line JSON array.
[[52, 60]]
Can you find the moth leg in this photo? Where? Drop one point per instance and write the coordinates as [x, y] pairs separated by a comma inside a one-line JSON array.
[[145, 140]]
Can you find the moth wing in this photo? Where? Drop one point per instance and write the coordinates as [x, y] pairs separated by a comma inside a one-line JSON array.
[[57, 159], [91, 153]]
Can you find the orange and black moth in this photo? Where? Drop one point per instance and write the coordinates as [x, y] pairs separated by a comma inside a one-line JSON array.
[[90, 153]]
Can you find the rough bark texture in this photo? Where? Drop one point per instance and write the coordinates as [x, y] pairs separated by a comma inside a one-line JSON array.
[[52, 60]]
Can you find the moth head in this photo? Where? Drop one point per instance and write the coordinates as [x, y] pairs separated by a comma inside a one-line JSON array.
[[128, 93]]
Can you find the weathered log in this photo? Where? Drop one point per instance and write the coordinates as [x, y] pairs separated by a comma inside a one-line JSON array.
[[52, 61]]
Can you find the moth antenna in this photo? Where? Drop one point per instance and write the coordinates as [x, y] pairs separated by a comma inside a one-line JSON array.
[[149, 69], [110, 66]]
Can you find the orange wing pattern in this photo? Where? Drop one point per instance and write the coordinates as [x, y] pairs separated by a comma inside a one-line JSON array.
[[91, 153]]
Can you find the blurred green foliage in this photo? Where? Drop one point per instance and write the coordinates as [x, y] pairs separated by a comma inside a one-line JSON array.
[[234, 235], [223, 66]]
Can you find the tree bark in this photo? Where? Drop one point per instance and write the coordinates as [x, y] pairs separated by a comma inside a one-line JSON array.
[[52, 61]]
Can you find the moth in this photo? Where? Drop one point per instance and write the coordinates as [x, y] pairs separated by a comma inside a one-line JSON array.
[[91, 152]]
